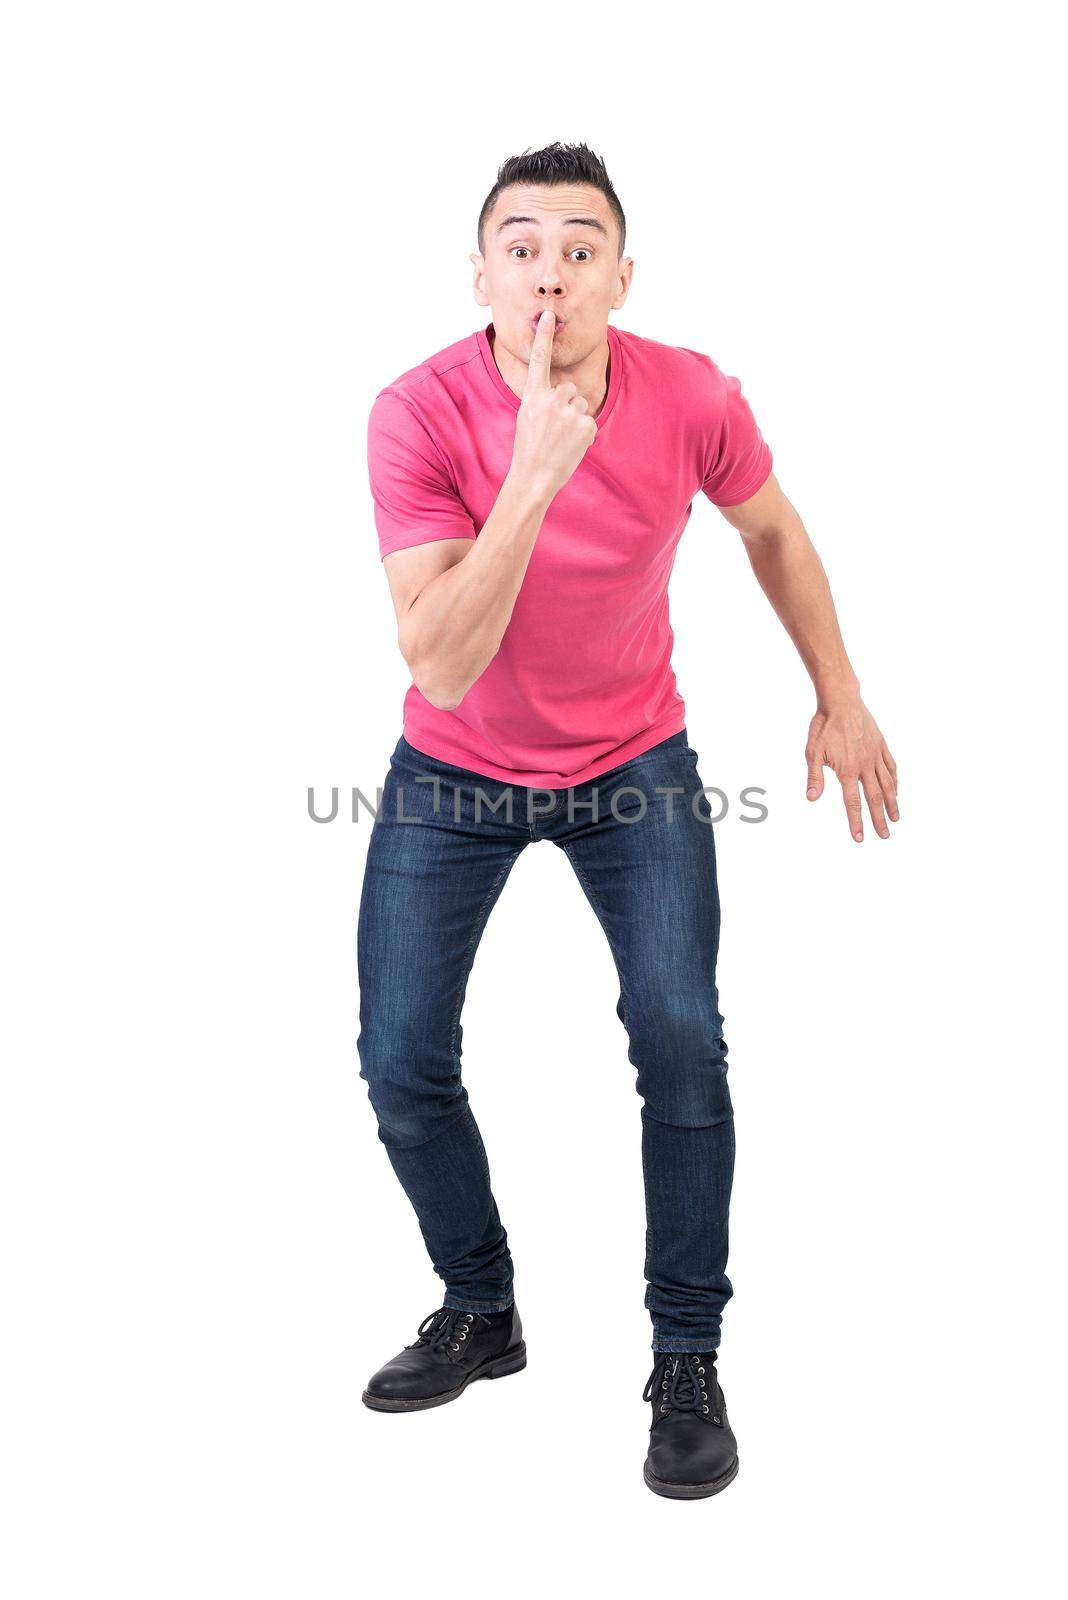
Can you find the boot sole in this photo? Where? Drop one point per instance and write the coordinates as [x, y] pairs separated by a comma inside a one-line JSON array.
[[512, 1361], [691, 1491]]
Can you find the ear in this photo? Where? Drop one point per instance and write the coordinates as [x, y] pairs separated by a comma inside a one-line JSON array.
[[626, 274], [481, 297]]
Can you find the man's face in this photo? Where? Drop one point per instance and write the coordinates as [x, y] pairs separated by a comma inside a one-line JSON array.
[[556, 247]]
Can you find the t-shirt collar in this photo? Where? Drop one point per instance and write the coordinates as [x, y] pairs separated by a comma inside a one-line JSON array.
[[615, 374]]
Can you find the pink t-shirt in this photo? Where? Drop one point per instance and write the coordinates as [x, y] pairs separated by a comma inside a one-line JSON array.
[[583, 678]]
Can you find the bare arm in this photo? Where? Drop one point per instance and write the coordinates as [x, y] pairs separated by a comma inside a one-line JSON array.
[[843, 734], [454, 597]]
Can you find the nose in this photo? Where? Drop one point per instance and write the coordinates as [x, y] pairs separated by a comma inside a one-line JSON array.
[[549, 283]]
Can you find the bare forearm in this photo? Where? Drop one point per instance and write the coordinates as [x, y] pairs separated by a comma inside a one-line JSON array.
[[843, 734], [455, 625], [791, 574]]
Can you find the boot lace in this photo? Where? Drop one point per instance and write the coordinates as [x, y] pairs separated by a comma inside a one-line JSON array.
[[444, 1329], [682, 1378]]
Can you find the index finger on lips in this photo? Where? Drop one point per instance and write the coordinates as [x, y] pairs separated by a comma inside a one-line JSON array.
[[541, 352]]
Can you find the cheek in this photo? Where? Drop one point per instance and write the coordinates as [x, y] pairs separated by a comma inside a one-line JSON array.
[[505, 286]]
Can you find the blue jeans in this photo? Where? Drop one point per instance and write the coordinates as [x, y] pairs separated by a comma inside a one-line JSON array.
[[647, 864]]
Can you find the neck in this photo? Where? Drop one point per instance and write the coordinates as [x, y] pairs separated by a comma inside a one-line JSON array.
[[590, 374]]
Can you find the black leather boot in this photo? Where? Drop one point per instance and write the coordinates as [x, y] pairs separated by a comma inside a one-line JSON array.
[[692, 1451], [452, 1349]]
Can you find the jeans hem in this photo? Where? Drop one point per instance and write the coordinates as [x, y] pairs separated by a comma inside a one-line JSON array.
[[454, 1302], [700, 1343]]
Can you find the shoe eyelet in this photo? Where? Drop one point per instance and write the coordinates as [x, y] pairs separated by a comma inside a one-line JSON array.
[[456, 1347], [664, 1409], [705, 1409], [463, 1333], [700, 1369], [470, 1316]]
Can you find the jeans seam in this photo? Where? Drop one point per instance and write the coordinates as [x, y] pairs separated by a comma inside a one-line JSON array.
[[473, 1133], [480, 921], [599, 908], [650, 1238]]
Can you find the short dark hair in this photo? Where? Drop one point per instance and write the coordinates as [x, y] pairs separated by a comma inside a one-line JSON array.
[[557, 163]]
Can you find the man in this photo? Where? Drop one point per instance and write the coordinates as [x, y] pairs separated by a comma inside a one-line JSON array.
[[531, 483]]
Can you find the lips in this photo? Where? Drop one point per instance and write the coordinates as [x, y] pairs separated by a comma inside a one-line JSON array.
[[535, 320]]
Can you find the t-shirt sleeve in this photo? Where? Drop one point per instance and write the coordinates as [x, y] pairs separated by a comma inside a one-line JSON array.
[[415, 499], [739, 460]]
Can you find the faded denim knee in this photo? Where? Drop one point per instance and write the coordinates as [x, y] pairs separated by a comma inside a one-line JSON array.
[[414, 1092], [681, 1056]]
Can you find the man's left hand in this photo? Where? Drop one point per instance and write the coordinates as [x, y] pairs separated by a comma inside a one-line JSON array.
[[845, 737]]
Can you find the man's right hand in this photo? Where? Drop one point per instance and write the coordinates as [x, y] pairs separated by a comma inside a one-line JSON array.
[[552, 429]]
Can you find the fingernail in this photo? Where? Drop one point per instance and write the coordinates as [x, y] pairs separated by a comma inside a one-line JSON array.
[[812, 794], [858, 836]]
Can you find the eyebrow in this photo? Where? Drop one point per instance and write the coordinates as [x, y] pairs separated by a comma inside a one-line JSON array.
[[580, 222]]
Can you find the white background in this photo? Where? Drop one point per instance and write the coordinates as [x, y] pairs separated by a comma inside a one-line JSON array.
[[228, 227]]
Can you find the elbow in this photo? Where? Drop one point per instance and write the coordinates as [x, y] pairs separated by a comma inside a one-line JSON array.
[[444, 691], [441, 700], [432, 685], [766, 536], [441, 681]]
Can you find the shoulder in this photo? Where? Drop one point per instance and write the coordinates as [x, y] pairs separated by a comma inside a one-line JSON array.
[[441, 372], [689, 378], [415, 411], [671, 361], [703, 398]]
